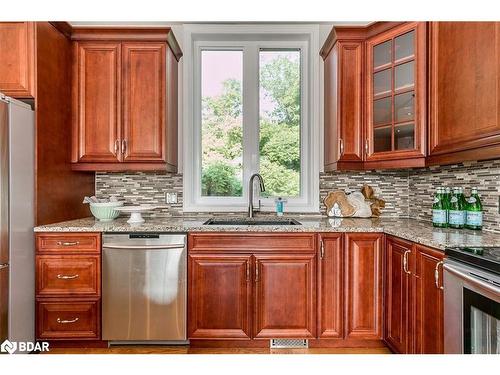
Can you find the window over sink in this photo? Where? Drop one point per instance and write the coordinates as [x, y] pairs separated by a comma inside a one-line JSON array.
[[250, 110]]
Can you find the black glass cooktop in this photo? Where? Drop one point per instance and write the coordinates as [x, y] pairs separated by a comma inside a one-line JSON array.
[[487, 258]]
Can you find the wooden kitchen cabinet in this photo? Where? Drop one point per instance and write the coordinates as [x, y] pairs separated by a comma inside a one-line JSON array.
[[343, 94], [285, 296], [68, 286], [429, 315], [375, 96], [363, 285], [251, 286], [97, 96], [331, 286], [396, 92], [220, 295], [414, 316], [464, 91], [399, 294], [17, 57], [144, 79], [125, 99]]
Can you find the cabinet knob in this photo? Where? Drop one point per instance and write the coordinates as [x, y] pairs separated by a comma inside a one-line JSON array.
[[341, 141], [117, 146]]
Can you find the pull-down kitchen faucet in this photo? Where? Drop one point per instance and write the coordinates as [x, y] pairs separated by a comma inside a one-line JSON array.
[[251, 210]]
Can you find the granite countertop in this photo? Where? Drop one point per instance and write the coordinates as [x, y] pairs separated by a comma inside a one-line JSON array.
[[421, 232]]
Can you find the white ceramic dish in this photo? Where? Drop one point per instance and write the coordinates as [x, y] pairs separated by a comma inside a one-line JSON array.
[[136, 212]]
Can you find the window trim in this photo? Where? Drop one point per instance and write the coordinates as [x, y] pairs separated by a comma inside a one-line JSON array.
[[203, 37]]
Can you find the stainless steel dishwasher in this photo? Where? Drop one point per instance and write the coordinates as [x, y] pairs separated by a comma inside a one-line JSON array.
[[144, 287]]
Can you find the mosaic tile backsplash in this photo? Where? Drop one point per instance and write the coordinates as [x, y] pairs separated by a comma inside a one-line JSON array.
[[407, 193], [484, 175], [391, 186]]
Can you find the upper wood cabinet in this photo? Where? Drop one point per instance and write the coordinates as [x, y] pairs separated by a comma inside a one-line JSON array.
[[395, 105], [97, 123], [375, 96], [465, 91], [343, 93], [125, 99], [17, 59]]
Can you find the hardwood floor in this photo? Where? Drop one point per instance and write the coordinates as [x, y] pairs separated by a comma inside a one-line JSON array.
[[154, 349]]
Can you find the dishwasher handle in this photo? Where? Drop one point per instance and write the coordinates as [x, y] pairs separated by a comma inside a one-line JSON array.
[[144, 247]]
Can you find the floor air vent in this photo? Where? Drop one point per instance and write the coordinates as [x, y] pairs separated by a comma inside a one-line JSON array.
[[289, 344]]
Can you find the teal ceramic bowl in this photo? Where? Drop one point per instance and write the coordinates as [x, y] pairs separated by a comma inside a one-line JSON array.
[[105, 211]]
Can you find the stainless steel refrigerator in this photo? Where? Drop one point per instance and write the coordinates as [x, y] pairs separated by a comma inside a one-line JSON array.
[[17, 185]]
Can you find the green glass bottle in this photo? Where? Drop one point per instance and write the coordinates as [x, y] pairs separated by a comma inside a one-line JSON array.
[[474, 216], [439, 209], [456, 217], [447, 196]]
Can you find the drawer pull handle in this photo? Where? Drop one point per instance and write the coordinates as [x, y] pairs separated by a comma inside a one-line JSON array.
[[68, 277], [436, 275], [69, 321], [61, 243], [405, 262]]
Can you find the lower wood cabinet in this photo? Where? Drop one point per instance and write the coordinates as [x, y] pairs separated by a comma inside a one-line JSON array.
[[413, 298], [429, 315], [69, 319], [399, 304], [363, 285], [220, 292], [68, 286], [285, 298], [331, 286], [252, 286]]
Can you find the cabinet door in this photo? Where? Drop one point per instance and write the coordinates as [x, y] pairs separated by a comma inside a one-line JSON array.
[[96, 102], [330, 286], [396, 95], [17, 56], [285, 304], [343, 104], [219, 296], [399, 265], [465, 91], [429, 331], [144, 132], [68, 320], [363, 285]]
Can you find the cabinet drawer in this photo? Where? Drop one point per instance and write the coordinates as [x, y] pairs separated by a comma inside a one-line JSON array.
[[67, 275], [252, 242], [68, 242], [68, 320]]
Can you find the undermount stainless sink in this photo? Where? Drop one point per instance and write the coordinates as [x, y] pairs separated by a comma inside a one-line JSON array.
[[244, 221]]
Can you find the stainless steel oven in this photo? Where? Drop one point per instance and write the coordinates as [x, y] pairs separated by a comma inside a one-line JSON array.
[[472, 301]]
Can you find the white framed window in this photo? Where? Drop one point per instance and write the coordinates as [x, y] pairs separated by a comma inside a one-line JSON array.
[[250, 106]]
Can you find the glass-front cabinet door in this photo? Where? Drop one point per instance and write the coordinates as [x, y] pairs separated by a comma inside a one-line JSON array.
[[395, 128]]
